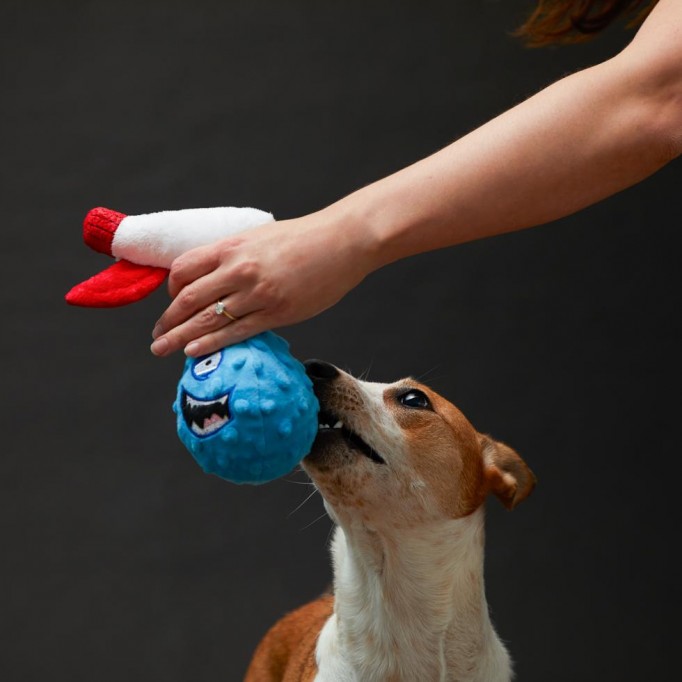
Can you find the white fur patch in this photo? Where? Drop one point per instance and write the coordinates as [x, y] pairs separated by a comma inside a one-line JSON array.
[[159, 238], [423, 616]]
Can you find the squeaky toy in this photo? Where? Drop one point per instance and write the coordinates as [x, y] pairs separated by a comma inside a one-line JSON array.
[[246, 413]]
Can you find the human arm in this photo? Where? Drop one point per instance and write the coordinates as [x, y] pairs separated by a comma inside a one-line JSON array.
[[580, 140]]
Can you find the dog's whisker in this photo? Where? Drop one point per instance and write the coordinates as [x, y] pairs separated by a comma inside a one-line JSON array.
[[314, 521], [329, 532], [302, 503], [424, 375], [365, 375], [299, 471]]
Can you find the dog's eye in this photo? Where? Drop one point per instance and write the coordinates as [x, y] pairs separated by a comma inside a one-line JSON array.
[[414, 398]]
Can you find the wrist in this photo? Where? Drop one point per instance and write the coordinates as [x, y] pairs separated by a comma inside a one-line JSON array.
[[355, 231], [378, 221]]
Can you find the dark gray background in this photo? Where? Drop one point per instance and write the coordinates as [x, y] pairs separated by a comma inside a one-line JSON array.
[[120, 559]]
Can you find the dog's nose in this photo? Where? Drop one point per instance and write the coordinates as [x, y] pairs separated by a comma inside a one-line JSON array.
[[318, 370]]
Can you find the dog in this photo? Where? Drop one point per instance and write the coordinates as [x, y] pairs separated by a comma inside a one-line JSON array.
[[403, 475]]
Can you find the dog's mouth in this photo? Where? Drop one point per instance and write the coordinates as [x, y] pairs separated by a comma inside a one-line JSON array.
[[330, 426], [205, 417]]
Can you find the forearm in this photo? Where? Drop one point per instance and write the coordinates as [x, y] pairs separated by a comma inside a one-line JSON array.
[[580, 140]]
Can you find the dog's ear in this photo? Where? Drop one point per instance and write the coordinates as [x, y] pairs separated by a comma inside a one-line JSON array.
[[507, 475]]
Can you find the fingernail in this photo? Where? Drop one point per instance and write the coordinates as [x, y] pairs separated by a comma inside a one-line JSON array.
[[191, 348], [157, 331], [159, 347]]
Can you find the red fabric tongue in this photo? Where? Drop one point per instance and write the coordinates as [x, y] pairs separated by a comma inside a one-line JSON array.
[[213, 419], [120, 284]]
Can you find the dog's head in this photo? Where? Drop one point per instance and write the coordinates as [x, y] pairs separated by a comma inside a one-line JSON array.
[[400, 454]]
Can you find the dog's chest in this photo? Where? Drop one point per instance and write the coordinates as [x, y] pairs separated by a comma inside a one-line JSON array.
[[405, 621], [335, 664]]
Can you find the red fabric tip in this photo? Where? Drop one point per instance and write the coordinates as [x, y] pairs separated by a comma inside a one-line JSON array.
[[99, 227], [121, 283]]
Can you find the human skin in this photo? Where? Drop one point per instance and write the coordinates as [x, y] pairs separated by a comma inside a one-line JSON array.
[[582, 139]]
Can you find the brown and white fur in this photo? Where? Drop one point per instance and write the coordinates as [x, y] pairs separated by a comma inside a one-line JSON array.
[[404, 480]]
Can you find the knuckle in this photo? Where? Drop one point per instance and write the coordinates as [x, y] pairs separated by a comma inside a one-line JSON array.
[[175, 276], [227, 246], [269, 295], [246, 271], [180, 267], [206, 318], [224, 252], [187, 299], [178, 264]]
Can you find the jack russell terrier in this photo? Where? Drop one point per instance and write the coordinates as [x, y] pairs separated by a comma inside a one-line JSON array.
[[404, 476]]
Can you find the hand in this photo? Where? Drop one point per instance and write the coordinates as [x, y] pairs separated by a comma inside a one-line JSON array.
[[273, 275]]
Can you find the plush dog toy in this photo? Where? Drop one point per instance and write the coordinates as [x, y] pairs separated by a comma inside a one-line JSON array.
[[247, 413]]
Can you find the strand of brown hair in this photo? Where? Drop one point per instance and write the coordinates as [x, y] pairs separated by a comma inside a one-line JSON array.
[[574, 21]]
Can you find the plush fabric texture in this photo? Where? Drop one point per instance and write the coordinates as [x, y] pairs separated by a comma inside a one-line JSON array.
[[99, 227], [247, 413], [149, 243], [159, 238], [120, 284]]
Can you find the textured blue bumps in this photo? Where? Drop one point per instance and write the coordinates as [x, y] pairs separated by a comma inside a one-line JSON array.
[[248, 412]]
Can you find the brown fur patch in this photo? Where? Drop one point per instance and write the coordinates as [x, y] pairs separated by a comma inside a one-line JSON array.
[[509, 477], [445, 452], [287, 652]]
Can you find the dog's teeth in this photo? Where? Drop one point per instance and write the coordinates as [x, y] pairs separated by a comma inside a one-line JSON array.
[[338, 425]]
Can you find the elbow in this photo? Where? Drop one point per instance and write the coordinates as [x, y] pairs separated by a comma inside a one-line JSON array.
[[662, 109], [656, 87], [675, 140], [667, 115], [665, 135], [675, 148], [656, 124]]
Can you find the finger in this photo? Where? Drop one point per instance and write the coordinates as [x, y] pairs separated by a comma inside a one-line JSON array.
[[192, 299], [204, 322], [244, 328], [191, 266]]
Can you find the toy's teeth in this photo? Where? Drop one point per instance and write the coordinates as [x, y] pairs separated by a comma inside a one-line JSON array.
[[195, 402], [211, 424], [205, 417]]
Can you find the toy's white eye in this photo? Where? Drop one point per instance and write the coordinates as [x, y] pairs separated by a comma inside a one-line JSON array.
[[204, 366]]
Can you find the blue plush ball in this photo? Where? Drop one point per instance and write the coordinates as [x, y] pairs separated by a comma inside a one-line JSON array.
[[247, 413]]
